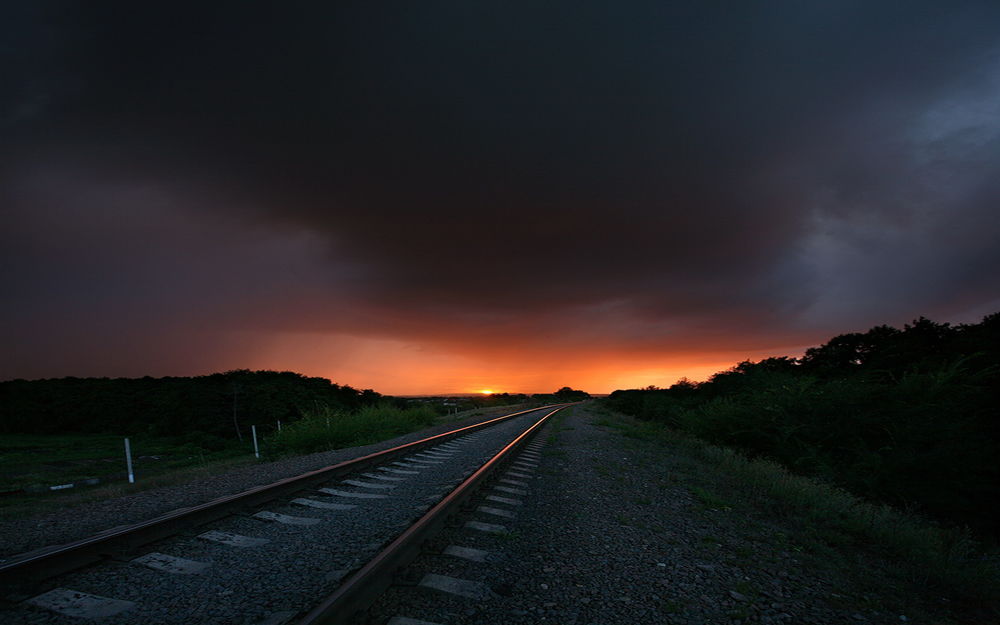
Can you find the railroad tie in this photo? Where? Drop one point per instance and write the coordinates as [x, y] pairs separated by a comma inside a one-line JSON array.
[[233, 540], [423, 461], [287, 519], [523, 476], [171, 564], [363, 484], [455, 586], [344, 493], [384, 478], [496, 512], [489, 528], [80, 604], [398, 471], [513, 482], [507, 500], [322, 505], [467, 553], [411, 465]]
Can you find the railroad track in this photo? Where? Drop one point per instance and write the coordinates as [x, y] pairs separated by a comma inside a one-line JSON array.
[[271, 554]]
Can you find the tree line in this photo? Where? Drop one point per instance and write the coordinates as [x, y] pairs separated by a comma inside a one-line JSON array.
[[221, 404], [909, 417]]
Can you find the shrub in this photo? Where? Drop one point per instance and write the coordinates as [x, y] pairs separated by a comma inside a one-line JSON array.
[[325, 429], [905, 417]]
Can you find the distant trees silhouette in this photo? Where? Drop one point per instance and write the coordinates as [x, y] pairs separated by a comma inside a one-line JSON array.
[[221, 404], [905, 416], [565, 394], [568, 394]]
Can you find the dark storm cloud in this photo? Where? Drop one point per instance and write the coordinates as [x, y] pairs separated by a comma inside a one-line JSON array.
[[646, 173]]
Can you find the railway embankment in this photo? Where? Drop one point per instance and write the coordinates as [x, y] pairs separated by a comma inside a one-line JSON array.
[[621, 526], [604, 519]]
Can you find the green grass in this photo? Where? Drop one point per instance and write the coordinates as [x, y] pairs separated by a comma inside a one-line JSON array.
[[947, 558], [39, 461], [606, 422], [326, 430], [556, 426], [36, 460], [708, 499], [46, 460]]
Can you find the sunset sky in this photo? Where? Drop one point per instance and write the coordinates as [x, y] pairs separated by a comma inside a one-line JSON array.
[[432, 197]]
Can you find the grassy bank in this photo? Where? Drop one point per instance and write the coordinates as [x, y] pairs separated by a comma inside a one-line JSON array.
[[902, 417], [40, 461], [37, 461], [30, 464], [326, 429], [946, 560]]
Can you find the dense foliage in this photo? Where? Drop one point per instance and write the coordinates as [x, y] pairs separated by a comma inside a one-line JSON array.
[[214, 404], [563, 395], [909, 417], [328, 429]]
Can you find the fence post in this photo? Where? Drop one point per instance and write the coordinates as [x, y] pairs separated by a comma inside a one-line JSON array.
[[279, 425], [256, 450], [128, 462]]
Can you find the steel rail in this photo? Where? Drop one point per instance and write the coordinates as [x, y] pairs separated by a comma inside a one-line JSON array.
[[359, 590], [34, 566]]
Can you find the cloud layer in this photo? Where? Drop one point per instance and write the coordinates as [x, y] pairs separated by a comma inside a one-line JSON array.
[[186, 189]]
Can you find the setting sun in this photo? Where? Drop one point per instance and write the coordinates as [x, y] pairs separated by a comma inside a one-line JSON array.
[[486, 392]]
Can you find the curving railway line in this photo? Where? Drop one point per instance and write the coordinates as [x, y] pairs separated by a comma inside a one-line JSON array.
[[316, 548]]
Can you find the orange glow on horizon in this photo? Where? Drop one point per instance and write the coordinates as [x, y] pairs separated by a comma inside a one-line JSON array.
[[396, 367]]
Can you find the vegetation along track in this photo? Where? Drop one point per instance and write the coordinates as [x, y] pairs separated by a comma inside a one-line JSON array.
[[270, 554]]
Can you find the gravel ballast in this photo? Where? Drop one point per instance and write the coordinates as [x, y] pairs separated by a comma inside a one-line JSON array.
[[617, 530]]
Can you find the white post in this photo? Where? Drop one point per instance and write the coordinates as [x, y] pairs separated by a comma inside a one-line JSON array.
[[256, 451], [279, 425], [128, 461]]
